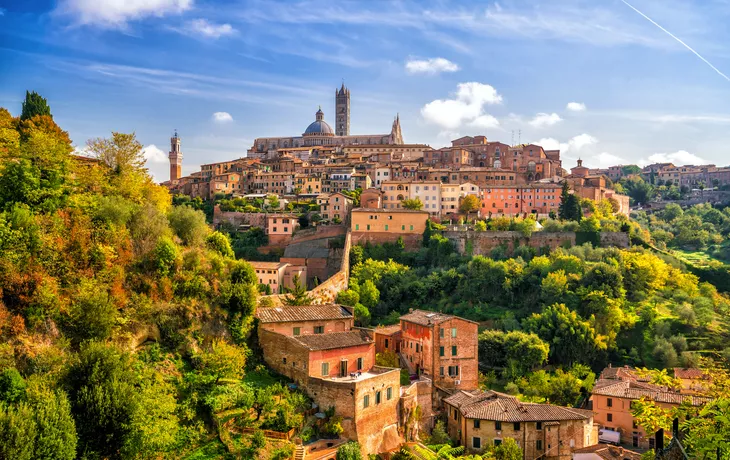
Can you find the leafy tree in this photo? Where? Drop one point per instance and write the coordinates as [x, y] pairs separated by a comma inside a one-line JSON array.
[[273, 201], [412, 203], [362, 315], [438, 434], [516, 351], [508, 450], [34, 105], [480, 226], [12, 386], [297, 295], [93, 313], [369, 294], [17, 432], [223, 360], [166, 255], [122, 153], [56, 437], [571, 339], [469, 203], [348, 297], [569, 208], [189, 225], [220, 243], [349, 451]]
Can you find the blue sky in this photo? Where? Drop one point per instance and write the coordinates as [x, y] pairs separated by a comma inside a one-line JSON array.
[[596, 78]]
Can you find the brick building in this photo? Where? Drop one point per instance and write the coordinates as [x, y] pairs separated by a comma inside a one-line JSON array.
[[278, 275], [444, 347], [387, 225], [316, 347], [538, 199], [478, 420], [387, 338], [280, 227]]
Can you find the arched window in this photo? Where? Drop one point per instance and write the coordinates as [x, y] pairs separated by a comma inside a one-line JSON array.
[[531, 166], [497, 164]]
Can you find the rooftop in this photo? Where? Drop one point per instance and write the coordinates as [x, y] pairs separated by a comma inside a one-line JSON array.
[[334, 340], [266, 265], [388, 330], [609, 452], [690, 373], [302, 313], [426, 318], [491, 405], [390, 211], [636, 390]]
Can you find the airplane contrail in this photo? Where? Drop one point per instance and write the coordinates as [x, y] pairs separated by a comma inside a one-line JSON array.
[[679, 40]]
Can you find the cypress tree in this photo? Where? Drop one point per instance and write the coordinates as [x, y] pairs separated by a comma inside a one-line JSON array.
[[33, 105]]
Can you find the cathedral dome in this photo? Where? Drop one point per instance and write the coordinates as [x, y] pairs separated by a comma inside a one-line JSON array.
[[319, 127]]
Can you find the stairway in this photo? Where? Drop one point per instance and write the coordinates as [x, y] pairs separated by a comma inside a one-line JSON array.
[[299, 453]]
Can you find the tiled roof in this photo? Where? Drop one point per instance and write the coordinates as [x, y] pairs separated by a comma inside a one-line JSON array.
[[267, 265], [426, 318], [302, 313], [609, 452], [391, 211], [635, 390], [388, 330], [334, 340], [690, 373], [622, 373], [500, 407]]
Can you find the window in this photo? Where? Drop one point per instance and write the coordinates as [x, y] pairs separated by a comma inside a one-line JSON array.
[[411, 227], [319, 329], [357, 226], [389, 393], [441, 351], [453, 332], [476, 442], [497, 442], [453, 350], [366, 401], [609, 402], [498, 427], [441, 332], [441, 371], [386, 343], [296, 331], [476, 423], [538, 444], [283, 360], [377, 397], [325, 369], [368, 226], [517, 426], [386, 227], [417, 348], [538, 426], [609, 417], [402, 227]]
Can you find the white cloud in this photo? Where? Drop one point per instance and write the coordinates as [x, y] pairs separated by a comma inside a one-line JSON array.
[[542, 120], [574, 145], [576, 107], [430, 66], [604, 160], [485, 121], [116, 13], [208, 29], [681, 157], [154, 155], [222, 117], [467, 106]]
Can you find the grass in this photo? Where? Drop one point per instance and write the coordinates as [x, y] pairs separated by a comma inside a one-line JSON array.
[[260, 378], [698, 258], [214, 450]]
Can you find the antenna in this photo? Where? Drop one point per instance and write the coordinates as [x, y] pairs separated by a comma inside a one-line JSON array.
[[513, 138], [519, 137]]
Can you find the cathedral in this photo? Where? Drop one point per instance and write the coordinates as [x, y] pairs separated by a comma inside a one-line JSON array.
[[320, 133]]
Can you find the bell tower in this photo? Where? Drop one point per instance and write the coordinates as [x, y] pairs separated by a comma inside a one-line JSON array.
[[176, 157], [342, 111]]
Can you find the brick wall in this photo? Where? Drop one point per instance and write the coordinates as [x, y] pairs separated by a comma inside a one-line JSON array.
[[255, 219], [482, 243], [412, 241], [307, 327]]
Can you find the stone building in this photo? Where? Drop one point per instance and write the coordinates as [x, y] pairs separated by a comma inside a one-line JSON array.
[[478, 420], [334, 206], [537, 198], [443, 347], [317, 347], [379, 226], [320, 133], [278, 275], [176, 158]]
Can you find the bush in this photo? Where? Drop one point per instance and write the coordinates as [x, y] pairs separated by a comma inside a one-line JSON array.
[[349, 451], [220, 243], [12, 386], [188, 224]]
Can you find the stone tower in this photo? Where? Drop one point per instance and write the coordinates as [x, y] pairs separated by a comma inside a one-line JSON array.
[[342, 111], [176, 157]]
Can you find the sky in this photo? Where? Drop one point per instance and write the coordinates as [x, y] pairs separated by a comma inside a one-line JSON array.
[[608, 81]]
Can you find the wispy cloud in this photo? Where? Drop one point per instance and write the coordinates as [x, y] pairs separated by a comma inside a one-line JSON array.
[[430, 66], [542, 120], [681, 157], [206, 29], [466, 107], [678, 41], [115, 14], [222, 117], [576, 107], [573, 146]]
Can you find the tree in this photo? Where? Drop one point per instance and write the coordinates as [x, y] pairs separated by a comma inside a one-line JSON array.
[[56, 437], [412, 203], [349, 451], [297, 295], [369, 294], [122, 153], [12, 386], [17, 432], [569, 208], [508, 450], [166, 255], [516, 351], [439, 435], [189, 225], [34, 105], [571, 339], [220, 243], [469, 203], [93, 313], [223, 360], [273, 201]]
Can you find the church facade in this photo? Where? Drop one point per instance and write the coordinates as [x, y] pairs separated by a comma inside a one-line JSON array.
[[320, 133]]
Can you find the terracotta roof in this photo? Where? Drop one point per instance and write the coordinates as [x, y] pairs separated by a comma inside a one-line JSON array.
[[388, 330], [690, 373], [609, 452], [267, 265], [334, 340], [426, 318], [500, 407], [622, 373], [302, 313], [635, 390]]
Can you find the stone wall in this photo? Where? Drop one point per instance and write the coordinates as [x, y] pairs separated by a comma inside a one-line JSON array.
[[412, 241], [255, 219], [418, 393], [482, 243]]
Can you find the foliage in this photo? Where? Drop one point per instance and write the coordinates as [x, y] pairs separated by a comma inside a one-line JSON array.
[[412, 203], [297, 295], [349, 451], [189, 225], [34, 105], [469, 203], [508, 450], [220, 243], [569, 208], [515, 351], [438, 434]]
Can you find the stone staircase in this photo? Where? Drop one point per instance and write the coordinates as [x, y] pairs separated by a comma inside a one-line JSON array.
[[407, 364], [299, 453]]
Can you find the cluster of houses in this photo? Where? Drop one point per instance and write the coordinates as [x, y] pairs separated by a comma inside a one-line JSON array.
[[321, 350]]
